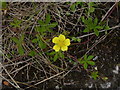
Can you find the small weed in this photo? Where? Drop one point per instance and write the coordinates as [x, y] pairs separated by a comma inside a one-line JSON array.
[[94, 75], [46, 25], [86, 61], [92, 25], [91, 8], [19, 43], [16, 23]]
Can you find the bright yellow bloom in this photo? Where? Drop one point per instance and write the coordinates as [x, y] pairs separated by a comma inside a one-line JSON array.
[[61, 43]]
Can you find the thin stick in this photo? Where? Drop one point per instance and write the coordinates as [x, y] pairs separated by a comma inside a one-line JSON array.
[[109, 12], [48, 78], [99, 31]]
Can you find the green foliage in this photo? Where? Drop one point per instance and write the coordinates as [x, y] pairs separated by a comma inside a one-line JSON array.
[[46, 25], [32, 53], [94, 75], [91, 25], [74, 6], [56, 55], [19, 43], [91, 8], [76, 39], [16, 23], [86, 61], [40, 42]]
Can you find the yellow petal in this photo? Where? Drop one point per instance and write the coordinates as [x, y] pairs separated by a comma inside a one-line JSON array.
[[55, 40], [64, 48], [67, 42], [61, 37], [56, 48]]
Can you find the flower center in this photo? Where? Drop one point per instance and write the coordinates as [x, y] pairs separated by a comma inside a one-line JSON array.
[[61, 43]]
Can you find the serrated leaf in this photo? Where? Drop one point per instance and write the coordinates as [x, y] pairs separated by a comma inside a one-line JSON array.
[[15, 40], [52, 25], [40, 22], [90, 57], [41, 29], [91, 62], [20, 50], [96, 32], [85, 65], [47, 20]]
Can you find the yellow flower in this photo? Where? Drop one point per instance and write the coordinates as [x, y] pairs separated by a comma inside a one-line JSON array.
[[61, 43]]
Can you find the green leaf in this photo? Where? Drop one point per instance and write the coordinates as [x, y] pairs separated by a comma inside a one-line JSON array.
[[40, 29], [85, 65], [52, 25], [89, 21], [107, 27], [16, 23], [15, 40], [91, 62], [91, 9], [35, 40], [40, 22], [21, 38], [73, 38], [96, 32], [55, 57], [61, 55], [20, 49], [91, 4], [94, 75], [32, 53], [95, 21], [85, 57], [86, 30], [90, 57], [83, 18], [99, 27], [52, 53], [41, 44], [47, 21], [82, 62], [78, 39], [72, 7]]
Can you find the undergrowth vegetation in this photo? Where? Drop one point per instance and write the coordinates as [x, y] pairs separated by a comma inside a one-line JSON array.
[[31, 56]]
